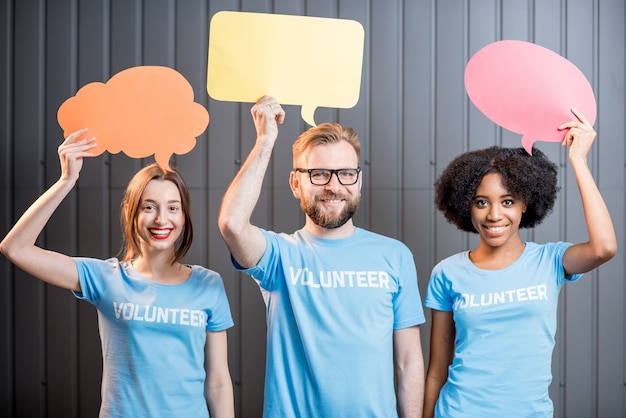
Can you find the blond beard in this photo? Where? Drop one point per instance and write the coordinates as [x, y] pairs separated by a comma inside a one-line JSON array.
[[330, 221]]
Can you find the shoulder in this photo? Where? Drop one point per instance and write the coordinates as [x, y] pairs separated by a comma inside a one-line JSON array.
[[451, 266], [204, 274], [273, 237], [453, 260], [96, 264], [384, 241], [554, 249]]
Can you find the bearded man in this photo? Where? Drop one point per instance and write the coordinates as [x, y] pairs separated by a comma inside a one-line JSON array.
[[343, 305]]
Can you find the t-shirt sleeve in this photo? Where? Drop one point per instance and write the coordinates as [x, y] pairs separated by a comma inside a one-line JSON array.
[[220, 317], [408, 310], [90, 275], [557, 250], [267, 262], [438, 294]]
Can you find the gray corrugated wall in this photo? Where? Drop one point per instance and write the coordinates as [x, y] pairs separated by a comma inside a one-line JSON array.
[[413, 116]]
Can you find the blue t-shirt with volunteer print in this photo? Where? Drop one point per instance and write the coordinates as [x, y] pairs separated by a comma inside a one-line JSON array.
[[505, 328], [153, 337], [332, 307]]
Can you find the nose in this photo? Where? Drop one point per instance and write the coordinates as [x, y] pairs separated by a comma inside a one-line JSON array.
[[494, 213], [334, 183], [160, 216]]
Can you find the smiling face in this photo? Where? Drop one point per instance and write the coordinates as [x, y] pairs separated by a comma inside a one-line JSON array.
[[160, 218], [328, 207], [496, 214]]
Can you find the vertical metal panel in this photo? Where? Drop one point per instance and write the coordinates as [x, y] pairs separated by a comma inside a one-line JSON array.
[[609, 54], [413, 117], [385, 129], [29, 361], [6, 205], [450, 140], [418, 141]]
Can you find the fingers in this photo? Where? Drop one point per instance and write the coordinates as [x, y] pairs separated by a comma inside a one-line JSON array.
[[268, 107], [580, 117], [579, 136], [582, 122], [75, 147], [75, 135], [71, 153], [578, 130]]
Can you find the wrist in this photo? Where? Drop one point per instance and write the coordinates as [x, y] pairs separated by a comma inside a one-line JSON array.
[[578, 159], [67, 181]]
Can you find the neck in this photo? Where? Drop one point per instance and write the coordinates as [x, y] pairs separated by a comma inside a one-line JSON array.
[[495, 258], [344, 231], [160, 269]]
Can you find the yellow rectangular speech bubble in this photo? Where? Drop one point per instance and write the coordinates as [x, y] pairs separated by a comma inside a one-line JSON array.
[[299, 60]]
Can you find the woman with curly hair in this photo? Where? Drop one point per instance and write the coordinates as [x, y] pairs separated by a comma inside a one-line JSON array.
[[494, 308]]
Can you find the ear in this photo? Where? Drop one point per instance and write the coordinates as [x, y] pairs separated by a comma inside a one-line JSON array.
[[294, 184]]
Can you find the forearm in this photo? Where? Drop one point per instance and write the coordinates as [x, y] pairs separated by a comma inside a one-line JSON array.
[[243, 193], [245, 241], [600, 227], [221, 400], [19, 244], [25, 232], [410, 391], [431, 395], [442, 336], [409, 368]]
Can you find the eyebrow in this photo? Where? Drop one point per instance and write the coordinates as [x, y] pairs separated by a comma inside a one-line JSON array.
[[154, 201], [501, 196]]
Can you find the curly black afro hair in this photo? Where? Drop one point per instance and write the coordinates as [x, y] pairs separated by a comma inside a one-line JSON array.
[[530, 178]]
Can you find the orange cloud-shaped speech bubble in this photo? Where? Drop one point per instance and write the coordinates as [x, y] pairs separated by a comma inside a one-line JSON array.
[[141, 111]]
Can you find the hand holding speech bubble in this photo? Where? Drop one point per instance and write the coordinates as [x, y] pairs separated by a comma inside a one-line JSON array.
[[528, 89], [299, 60], [141, 111]]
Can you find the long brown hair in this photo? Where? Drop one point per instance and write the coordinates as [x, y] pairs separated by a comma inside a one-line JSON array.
[[130, 211]]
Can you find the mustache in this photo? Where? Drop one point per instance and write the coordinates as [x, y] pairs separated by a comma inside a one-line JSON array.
[[331, 196]]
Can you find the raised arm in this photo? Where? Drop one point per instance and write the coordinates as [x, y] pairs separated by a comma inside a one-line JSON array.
[[244, 240], [19, 244], [602, 244]]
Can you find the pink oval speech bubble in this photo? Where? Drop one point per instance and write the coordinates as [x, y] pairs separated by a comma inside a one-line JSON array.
[[528, 89]]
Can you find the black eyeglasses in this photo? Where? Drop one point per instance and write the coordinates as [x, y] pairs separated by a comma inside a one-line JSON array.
[[322, 176]]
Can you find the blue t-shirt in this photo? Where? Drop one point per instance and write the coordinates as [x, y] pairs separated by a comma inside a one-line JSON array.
[[505, 326], [332, 307], [153, 337]]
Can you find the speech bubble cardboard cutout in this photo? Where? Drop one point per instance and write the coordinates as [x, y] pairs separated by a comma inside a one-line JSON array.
[[528, 89], [141, 111], [299, 60]]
